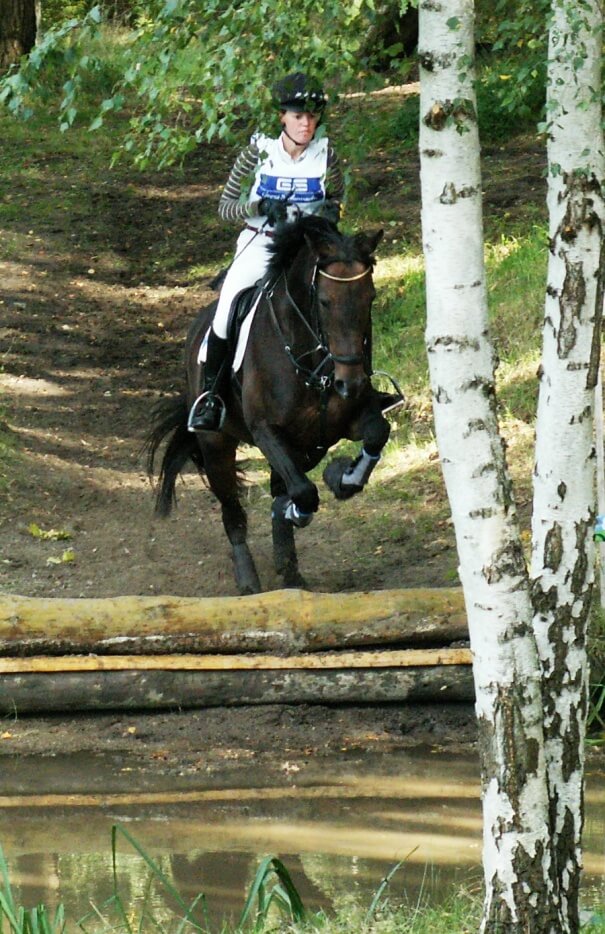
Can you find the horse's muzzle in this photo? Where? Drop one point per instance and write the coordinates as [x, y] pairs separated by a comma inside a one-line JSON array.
[[351, 387]]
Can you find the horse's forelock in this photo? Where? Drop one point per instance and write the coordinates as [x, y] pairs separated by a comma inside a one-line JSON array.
[[331, 245]]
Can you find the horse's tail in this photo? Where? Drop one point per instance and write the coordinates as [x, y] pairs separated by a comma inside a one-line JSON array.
[[170, 419]]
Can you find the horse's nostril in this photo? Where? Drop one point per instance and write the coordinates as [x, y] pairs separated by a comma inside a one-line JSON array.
[[351, 388]]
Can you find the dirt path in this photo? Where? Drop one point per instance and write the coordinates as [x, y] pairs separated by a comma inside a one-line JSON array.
[[86, 360]]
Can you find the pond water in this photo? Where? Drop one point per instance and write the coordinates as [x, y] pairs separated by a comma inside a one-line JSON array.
[[339, 826]]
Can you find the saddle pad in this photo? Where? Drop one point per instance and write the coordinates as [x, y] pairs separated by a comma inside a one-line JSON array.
[[242, 338]]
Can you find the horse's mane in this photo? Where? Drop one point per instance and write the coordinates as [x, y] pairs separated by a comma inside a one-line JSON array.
[[290, 238]]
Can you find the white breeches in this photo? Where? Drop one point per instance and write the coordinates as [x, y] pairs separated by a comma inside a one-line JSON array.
[[249, 265]]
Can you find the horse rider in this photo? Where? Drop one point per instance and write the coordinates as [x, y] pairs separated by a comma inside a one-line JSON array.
[[295, 168]]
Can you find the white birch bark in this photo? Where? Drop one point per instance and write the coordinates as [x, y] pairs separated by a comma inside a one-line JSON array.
[[564, 478], [517, 861]]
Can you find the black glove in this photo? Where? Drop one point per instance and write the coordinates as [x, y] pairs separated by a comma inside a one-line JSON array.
[[330, 210], [273, 209]]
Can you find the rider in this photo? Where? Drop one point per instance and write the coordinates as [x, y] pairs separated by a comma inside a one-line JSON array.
[[294, 168]]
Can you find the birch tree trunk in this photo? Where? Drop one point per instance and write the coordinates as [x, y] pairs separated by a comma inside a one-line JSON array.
[[517, 855], [564, 475]]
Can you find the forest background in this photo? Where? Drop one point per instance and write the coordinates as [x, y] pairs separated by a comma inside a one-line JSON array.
[[137, 124]]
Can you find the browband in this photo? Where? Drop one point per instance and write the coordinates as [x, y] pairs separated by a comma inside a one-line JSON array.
[[359, 275]]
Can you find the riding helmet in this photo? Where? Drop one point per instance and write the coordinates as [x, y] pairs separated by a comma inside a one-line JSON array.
[[299, 93]]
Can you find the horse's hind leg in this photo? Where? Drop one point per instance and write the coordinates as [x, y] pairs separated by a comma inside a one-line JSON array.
[[284, 547], [219, 463]]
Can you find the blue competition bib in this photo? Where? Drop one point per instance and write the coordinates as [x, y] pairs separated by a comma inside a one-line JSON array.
[[282, 187]]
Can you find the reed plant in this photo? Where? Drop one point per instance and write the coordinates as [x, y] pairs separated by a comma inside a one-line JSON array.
[[15, 919]]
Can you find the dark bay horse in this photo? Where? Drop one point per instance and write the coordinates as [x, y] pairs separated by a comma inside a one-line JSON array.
[[303, 385]]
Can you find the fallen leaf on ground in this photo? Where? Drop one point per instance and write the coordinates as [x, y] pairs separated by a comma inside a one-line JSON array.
[[67, 556], [48, 535]]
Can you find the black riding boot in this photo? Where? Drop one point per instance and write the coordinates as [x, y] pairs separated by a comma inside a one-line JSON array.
[[208, 410]]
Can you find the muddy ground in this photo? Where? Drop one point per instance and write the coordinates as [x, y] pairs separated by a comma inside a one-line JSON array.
[[96, 299]]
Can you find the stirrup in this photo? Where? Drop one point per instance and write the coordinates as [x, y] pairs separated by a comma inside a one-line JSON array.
[[390, 400], [193, 412]]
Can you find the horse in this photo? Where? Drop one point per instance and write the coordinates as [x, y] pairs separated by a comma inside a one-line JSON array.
[[304, 384]]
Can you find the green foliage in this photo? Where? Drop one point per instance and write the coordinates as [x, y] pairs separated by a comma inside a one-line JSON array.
[[513, 37], [500, 116], [59, 49], [56, 12], [191, 72]]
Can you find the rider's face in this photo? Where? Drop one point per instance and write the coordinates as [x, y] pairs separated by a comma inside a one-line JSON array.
[[300, 127]]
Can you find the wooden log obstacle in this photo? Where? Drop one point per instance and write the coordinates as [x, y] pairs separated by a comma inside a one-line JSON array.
[[285, 647]]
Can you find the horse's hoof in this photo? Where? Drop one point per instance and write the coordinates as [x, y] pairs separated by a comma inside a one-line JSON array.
[[293, 580], [333, 475], [248, 590], [285, 510], [246, 578]]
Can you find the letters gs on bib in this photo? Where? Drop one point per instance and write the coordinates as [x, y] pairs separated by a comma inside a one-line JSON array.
[[295, 189]]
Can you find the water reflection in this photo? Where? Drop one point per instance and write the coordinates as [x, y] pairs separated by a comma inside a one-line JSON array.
[[338, 831]]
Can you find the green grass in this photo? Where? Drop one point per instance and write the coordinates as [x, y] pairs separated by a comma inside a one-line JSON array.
[[516, 273]]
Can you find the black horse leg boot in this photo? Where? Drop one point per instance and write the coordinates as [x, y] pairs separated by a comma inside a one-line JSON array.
[[208, 411]]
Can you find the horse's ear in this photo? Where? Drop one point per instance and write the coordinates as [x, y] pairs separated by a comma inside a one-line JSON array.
[[368, 242]]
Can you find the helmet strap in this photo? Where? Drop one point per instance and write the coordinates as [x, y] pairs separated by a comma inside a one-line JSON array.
[[292, 140]]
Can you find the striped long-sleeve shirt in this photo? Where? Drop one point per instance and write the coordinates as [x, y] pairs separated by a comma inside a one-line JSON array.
[[237, 201]]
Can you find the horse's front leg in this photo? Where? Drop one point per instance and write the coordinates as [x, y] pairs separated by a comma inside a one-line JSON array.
[[346, 476], [301, 498]]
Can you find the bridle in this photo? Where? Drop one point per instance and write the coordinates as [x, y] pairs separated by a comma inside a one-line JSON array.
[[314, 377]]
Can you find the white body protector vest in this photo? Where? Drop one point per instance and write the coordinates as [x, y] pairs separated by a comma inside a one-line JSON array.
[[301, 183]]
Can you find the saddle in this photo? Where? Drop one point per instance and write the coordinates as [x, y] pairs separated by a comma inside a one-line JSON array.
[[241, 306]]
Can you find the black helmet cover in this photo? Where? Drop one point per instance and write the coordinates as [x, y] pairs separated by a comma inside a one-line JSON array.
[[299, 93]]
